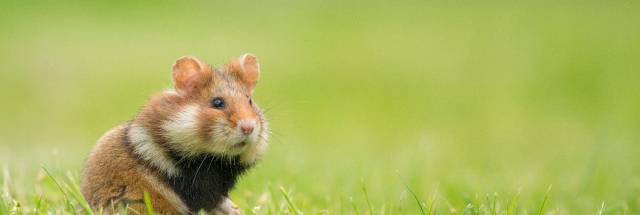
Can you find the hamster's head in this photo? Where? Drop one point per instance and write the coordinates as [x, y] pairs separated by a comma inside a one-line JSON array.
[[211, 111]]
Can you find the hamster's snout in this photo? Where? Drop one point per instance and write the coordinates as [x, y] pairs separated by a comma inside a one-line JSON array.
[[247, 126]]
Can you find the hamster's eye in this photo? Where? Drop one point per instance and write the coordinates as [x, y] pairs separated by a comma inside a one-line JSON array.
[[217, 102], [250, 101]]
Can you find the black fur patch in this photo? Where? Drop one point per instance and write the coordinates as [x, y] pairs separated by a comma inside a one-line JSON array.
[[205, 180]]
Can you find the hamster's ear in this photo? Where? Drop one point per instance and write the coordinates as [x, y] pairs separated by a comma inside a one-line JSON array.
[[190, 75], [247, 69]]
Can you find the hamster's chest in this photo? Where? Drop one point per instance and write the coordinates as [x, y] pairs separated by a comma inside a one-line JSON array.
[[205, 180]]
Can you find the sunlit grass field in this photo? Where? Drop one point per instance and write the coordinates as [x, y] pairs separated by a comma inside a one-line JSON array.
[[377, 107]]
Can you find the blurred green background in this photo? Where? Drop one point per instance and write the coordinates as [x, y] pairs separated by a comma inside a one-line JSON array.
[[459, 98]]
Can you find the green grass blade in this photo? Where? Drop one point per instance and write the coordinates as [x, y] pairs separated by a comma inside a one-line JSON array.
[[147, 202], [124, 210], [38, 205], [4, 195], [430, 208], [65, 194], [354, 206], [513, 203], [3, 207], [74, 190], [415, 196], [292, 206], [467, 209], [544, 202], [601, 210], [492, 204], [366, 197]]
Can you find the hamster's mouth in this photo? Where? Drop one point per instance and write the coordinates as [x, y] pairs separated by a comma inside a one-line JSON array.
[[241, 144]]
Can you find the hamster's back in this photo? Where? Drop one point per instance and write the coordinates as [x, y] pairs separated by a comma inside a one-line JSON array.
[[112, 175]]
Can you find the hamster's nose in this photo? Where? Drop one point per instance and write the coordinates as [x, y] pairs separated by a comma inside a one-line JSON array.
[[247, 126], [246, 129]]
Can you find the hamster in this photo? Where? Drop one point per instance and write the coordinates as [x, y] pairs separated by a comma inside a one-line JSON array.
[[186, 147]]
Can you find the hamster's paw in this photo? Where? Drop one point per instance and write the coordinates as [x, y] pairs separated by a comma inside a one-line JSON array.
[[227, 207]]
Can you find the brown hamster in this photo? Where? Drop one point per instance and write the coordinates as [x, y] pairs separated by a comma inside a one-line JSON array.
[[186, 147]]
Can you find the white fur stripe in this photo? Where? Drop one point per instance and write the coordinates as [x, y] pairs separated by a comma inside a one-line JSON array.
[[144, 146], [182, 129]]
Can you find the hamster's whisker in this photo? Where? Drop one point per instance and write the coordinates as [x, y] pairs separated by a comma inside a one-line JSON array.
[[182, 159], [195, 176], [209, 165], [276, 139]]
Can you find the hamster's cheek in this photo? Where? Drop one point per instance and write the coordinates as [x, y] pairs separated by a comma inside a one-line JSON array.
[[211, 124]]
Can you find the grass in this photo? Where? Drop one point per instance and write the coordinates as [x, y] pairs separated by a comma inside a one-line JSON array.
[[479, 105], [72, 202]]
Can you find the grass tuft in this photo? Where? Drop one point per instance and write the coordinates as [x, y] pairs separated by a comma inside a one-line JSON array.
[[68, 203]]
